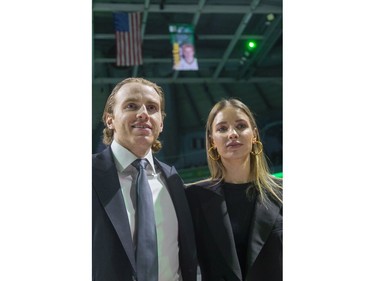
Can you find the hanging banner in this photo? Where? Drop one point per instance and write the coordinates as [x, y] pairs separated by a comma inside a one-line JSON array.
[[183, 49]]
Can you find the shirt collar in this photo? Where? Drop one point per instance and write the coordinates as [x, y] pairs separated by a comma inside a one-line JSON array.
[[124, 157]]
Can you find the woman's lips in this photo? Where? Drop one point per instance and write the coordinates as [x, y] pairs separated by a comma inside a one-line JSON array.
[[233, 144]]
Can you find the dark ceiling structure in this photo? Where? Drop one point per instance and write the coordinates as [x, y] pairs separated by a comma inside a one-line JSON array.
[[226, 69]]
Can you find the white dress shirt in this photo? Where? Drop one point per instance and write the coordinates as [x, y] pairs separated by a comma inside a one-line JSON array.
[[165, 214], [184, 65]]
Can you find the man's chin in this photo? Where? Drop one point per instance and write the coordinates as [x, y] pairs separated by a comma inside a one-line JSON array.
[[144, 139]]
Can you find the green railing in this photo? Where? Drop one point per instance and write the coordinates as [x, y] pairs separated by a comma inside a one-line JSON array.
[[199, 173]]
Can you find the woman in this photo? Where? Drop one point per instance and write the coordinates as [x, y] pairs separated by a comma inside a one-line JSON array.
[[237, 213]]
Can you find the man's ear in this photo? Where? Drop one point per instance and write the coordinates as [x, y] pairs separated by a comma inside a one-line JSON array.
[[109, 121], [161, 127]]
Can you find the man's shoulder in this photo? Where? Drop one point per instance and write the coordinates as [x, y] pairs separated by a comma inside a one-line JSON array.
[[101, 152], [102, 159], [168, 169], [97, 156], [161, 163]]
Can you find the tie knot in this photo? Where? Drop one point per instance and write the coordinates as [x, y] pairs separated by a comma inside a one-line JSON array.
[[140, 163]]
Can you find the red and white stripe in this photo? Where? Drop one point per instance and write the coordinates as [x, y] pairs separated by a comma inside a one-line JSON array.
[[129, 44]]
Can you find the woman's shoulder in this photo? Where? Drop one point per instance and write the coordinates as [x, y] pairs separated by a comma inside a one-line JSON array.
[[202, 190], [206, 183], [203, 186]]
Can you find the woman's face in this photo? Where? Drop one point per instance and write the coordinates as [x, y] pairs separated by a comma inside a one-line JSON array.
[[232, 134]]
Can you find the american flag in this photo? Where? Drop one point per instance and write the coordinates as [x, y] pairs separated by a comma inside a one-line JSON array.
[[128, 39]]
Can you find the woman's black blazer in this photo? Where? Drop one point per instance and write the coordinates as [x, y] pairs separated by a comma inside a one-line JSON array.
[[216, 249]]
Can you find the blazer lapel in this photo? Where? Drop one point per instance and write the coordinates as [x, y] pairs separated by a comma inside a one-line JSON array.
[[186, 238], [177, 194], [173, 179], [109, 192], [263, 222], [221, 229]]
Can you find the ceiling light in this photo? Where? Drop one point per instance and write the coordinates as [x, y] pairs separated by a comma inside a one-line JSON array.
[[270, 17]]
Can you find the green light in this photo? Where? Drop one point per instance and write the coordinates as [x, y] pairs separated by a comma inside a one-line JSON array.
[[278, 175], [251, 45]]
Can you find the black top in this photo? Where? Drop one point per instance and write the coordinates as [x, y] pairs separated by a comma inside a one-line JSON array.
[[240, 209]]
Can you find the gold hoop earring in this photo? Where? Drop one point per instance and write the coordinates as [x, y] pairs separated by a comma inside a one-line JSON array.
[[212, 157], [260, 149]]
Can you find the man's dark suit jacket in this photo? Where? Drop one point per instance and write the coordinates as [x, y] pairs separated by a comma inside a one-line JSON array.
[[216, 248], [112, 247]]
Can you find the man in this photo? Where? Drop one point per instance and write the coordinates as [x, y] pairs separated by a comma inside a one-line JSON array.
[[188, 60], [133, 118]]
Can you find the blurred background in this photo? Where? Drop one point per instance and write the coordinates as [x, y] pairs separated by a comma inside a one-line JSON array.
[[238, 47]]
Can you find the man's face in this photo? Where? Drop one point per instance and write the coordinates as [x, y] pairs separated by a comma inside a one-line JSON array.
[[136, 120], [189, 54]]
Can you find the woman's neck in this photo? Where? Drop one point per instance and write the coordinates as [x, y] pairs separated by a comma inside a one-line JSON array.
[[237, 171]]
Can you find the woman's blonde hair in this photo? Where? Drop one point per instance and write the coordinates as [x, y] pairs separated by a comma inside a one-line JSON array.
[[111, 101], [264, 182]]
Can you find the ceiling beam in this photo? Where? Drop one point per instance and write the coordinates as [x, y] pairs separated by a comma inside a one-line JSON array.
[[192, 9], [143, 29], [262, 96], [271, 35], [241, 27], [103, 36], [164, 60], [198, 12], [194, 107], [209, 94], [193, 23], [161, 80], [260, 57]]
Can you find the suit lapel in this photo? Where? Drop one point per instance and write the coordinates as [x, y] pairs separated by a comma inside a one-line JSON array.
[[172, 179], [263, 222], [109, 192], [177, 194], [186, 239], [222, 230]]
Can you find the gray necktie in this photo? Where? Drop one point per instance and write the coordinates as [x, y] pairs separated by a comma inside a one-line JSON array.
[[146, 246]]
